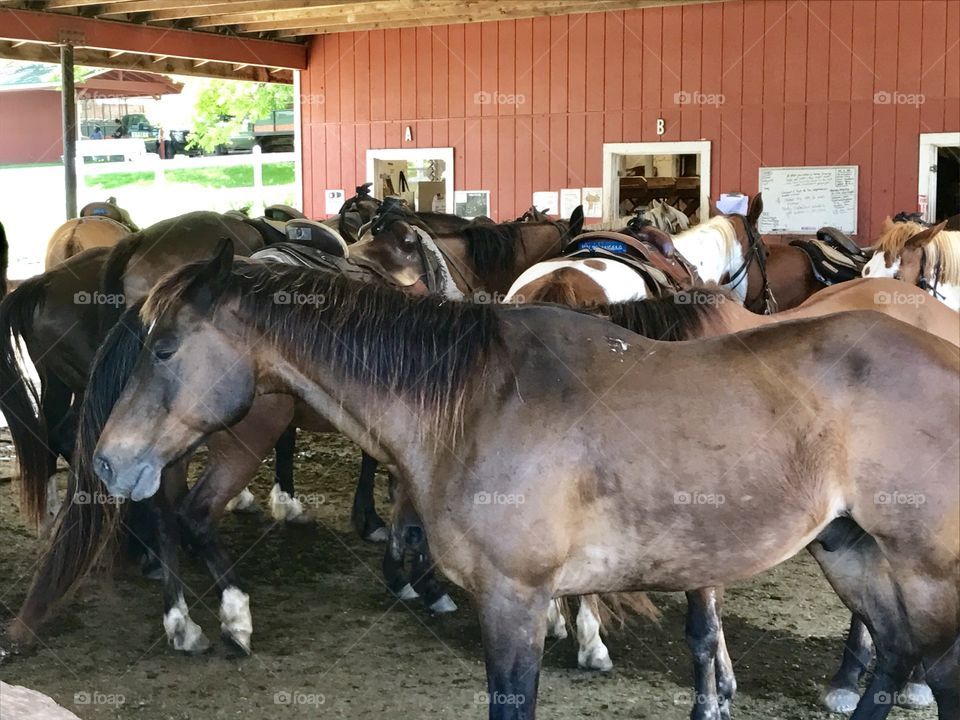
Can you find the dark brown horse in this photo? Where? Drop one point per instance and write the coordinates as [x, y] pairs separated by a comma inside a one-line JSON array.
[[426, 386]]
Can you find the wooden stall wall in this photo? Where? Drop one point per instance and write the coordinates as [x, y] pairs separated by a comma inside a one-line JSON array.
[[528, 104]]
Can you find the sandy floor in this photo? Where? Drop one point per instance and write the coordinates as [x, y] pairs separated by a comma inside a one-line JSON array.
[[329, 641]]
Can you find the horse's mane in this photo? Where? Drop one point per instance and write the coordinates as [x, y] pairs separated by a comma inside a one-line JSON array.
[[717, 226], [672, 317], [943, 249], [426, 350], [492, 248]]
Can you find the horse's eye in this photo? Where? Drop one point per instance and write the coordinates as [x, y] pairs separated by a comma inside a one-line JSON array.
[[164, 352]]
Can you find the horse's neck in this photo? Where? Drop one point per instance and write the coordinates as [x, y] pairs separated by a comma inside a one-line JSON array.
[[713, 257], [535, 247]]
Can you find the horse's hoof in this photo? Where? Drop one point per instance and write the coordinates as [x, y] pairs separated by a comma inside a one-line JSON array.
[[443, 605], [915, 695], [380, 535], [557, 633], [840, 700], [236, 623], [407, 593], [245, 502], [151, 568], [192, 644], [238, 644], [20, 635], [597, 660]]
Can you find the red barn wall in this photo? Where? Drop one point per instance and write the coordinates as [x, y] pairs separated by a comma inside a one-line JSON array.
[[798, 80], [30, 122]]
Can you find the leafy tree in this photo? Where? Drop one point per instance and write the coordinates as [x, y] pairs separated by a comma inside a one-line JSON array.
[[223, 109]]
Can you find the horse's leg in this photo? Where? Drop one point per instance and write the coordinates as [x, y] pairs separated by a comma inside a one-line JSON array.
[[393, 571], [844, 692], [424, 576], [513, 623], [556, 623], [284, 504], [368, 524], [944, 680], [55, 407], [703, 639], [916, 693], [723, 667], [592, 654], [864, 579], [143, 540], [182, 633]]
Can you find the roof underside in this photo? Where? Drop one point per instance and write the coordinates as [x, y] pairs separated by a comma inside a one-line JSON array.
[[268, 23]]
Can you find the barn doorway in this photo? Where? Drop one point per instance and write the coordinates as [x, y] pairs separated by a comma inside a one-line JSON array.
[[421, 176], [939, 187], [635, 174]]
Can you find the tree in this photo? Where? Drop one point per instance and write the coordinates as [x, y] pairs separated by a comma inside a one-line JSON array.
[[223, 109]]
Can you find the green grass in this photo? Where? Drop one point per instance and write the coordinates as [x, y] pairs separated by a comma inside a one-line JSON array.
[[234, 176]]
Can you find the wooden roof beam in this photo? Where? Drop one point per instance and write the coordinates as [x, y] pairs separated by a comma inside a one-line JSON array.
[[213, 11]]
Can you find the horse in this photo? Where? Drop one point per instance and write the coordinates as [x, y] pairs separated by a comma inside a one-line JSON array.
[[726, 249], [426, 385], [928, 257], [704, 313], [101, 224], [4, 260]]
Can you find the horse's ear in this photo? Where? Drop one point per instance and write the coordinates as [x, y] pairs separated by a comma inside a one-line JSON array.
[[756, 209], [212, 278], [887, 225], [925, 235], [576, 221]]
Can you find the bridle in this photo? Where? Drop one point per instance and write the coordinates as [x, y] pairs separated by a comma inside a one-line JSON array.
[[922, 281], [756, 251]]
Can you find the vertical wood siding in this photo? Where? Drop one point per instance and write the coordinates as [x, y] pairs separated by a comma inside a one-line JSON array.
[[799, 83]]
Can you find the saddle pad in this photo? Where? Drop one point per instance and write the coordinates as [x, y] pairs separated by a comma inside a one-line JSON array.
[[657, 281], [288, 253], [831, 264], [614, 246]]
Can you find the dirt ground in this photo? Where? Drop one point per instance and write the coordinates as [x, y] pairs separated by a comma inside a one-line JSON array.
[[330, 642]]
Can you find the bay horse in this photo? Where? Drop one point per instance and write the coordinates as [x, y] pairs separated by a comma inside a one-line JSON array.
[[100, 224], [426, 385], [928, 257]]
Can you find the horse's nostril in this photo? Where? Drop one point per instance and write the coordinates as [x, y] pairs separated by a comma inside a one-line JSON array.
[[866, 271], [103, 469]]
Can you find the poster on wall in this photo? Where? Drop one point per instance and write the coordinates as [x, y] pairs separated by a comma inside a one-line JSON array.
[[547, 201], [569, 201], [592, 207], [805, 199], [333, 201], [469, 204]]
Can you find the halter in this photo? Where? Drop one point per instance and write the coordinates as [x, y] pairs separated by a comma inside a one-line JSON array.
[[922, 281], [755, 251]]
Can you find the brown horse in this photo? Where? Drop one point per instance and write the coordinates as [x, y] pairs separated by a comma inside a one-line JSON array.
[[426, 386], [62, 316], [100, 224], [928, 257]]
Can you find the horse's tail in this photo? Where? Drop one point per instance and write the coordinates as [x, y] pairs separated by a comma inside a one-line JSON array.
[[89, 522], [19, 400], [563, 287], [111, 279], [614, 607], [4, 258]]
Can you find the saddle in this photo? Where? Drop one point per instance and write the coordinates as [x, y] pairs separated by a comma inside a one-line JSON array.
[[107, 210], [290, 253], [316, 235], [834, 258], [652, 255], [283, 213]]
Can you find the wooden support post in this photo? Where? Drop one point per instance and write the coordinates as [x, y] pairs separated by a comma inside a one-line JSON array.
[[69, 101]]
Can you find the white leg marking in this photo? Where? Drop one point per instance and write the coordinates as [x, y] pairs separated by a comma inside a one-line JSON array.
[[286, 508], [380, 535], [235, 619], [592, 653], [53, 497], [841, 701], [444, 605], [182, 632], [243, 502], [408, 593], [915, 695], [556, 625]]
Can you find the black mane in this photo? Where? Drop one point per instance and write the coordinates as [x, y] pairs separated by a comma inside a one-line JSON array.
[[672, 317], [492, 248]]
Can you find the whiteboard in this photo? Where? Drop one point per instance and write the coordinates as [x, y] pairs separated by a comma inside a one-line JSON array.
[[805, 199]]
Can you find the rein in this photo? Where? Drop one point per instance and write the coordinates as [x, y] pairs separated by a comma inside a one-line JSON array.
[[755, 251]]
